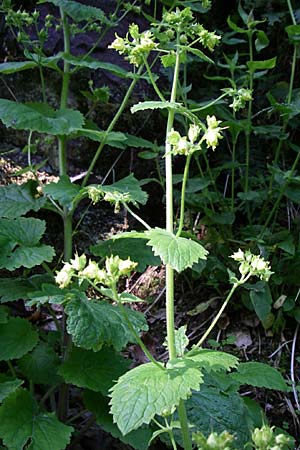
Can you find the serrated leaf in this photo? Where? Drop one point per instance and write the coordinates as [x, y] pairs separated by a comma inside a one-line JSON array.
[[63, 191], [19, 243], [95, 371], [147, 390], [211, 409], [259, 375], [8, 387], [12, 289], [42, 430], [16, 200], [41, 365], [142, 106], [80, 12], [136, 248], [98, 405], [181, 340], [212, 360], [179, 252], [261, 65], [17, 338], [95, 323], [39, 117]]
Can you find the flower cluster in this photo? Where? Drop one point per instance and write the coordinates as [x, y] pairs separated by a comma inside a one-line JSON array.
[[252, 265], [240, 97], [264, 437], [186, 145], [79, 267], [214, 441], [135, 46]]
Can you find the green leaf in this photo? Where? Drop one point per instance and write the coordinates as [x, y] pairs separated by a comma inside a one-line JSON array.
[[95, 371], [293, 32], [19, 243], [211, 409], [79, 12], [138, 142], [4, 312], [125, 247], [49, 293], [95, 64], [16, 200], [259, 375], [97, 404], [197, 184], [288, 245], [261, 41], [261, 299], [200, 54], [17, 337], [12, 289], [21, 423], [147, 390], [261, 65], [93, 323], [179, 252], [39, 117], [7, 387], [212, 360], [13, 67], [142, 106], [181, 340], [41, 365], [63, 191]]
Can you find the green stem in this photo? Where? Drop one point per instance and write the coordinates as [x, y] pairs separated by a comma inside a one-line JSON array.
[[208, 105], [67, 215], [111, 126], [187, 442], [183, 188], [156, 88], [138, 218], [248, 131], [214, 322], [291, 12], [233, 173], [12, 369]]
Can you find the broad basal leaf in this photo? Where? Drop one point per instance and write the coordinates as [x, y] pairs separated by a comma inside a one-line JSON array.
[[94, 323], [97, 404], [79, 12], [19, 243], [39, 117], [149, 390], [96, 371], [259, 375], [64, 191], [7, 387], [212, 360], [16, 200], [179, 252], [41, 365], [136, 248], [21, 423], [17, 337]]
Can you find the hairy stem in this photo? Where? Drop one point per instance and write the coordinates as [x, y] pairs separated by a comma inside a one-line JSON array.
[[182, 203], [249, 117]]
